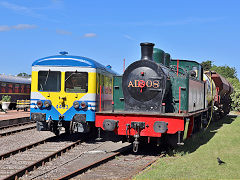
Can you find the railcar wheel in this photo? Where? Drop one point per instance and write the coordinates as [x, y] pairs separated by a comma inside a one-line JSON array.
[[56, 132], [66, 125], [54, 128]]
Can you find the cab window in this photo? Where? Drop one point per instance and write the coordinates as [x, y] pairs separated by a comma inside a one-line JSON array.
[[76, 82], [49, 81]]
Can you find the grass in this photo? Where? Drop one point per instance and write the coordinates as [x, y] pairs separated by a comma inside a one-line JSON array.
[[197, 159]]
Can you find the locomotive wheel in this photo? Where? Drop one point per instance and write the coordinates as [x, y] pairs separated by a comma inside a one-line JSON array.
[[172, 139], [197, 124]]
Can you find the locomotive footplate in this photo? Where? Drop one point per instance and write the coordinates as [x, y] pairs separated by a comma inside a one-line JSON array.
[[136, 125]]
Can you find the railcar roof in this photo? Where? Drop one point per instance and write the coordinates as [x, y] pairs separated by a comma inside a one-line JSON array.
[[14, 79], [68, 60]]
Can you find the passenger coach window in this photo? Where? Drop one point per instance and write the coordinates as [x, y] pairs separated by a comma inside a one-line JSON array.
[[76, 82], [49, 81]]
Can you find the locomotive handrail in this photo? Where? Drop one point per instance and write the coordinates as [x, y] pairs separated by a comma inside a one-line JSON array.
[[173, 68]]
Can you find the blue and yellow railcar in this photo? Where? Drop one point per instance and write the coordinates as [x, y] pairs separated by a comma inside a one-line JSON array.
[[66, 92]]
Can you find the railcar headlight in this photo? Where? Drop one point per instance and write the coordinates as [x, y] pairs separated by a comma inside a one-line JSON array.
[[47, 103], [76, 104], [39, 104], [83, 105]]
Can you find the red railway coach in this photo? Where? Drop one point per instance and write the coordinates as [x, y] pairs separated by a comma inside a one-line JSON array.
[[17, 87]]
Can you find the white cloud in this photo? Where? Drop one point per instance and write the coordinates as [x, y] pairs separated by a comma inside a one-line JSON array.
[[17, 27], [53, 4], [89, 35], [32, 11], [63, 32], [24, 26], [14, 7], [20, 9], [4, 28], [162, 23], [128, 37]]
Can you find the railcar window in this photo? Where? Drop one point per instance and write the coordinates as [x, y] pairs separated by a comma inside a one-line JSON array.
[[76, 82], [16, 89], [49, 81]]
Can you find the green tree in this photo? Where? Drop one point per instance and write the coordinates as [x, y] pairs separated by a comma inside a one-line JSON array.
[[236, 93], [207, 65], [225, 71], [23, 75]]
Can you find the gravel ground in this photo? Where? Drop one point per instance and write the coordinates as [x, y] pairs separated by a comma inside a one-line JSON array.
[[17, 140], [122, 167], [17, 128], [84, 154], [23, 159]]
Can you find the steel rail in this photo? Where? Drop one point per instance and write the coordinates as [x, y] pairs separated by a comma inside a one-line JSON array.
[[41, 162], [148, 165], [24, 148], [95, 164], [104, 160], [16, 125], [17, 130]]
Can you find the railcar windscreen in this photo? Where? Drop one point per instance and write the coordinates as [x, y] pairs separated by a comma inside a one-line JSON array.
[[76, 82], [49, 81]]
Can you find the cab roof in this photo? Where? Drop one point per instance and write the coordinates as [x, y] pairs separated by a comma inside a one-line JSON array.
[[68, 60]]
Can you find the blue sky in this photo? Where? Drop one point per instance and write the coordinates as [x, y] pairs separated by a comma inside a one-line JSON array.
[[109, 31]]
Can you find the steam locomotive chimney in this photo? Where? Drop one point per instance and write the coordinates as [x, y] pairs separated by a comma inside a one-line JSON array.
[[147, 51]]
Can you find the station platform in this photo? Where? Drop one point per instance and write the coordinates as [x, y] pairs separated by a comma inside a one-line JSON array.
[[14, 114], [13, 117]]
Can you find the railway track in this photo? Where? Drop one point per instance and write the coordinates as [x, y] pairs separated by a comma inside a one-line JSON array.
[[125, 166], [16, 163], [68, 157], [89, 154], [16, 125], [93, 165], [96, 160], [11, 129]]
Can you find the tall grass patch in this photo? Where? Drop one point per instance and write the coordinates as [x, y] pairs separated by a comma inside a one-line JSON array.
[[197, 159]]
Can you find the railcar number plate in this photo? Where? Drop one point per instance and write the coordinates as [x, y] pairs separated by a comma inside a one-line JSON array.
[[61, 107]]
